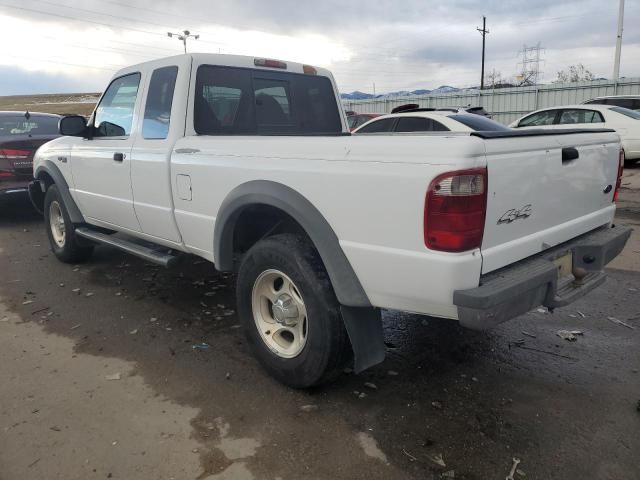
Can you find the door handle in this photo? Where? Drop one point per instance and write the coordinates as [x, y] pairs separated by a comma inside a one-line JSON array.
[[569, 154], [118, 157]]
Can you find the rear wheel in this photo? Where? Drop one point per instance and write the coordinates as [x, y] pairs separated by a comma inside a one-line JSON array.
[[290, 312], [64, 243]]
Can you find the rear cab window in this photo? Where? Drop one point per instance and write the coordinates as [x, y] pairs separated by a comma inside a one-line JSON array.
[[245, 101]]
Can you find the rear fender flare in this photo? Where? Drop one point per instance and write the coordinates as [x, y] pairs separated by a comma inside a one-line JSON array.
[[348, 289]]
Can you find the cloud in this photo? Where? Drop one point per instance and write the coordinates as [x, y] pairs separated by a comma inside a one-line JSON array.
[[396, 45], [16, 81]]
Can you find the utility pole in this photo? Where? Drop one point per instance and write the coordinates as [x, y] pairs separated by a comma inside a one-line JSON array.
[[616, 61], [483, 32], [183, 37]]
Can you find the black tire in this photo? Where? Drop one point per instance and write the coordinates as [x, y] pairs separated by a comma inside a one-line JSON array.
[[73, 248], [327, 349]]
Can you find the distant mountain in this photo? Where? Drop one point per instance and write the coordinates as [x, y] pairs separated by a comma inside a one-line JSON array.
[[445, 89], [356, 96], [401, 93]]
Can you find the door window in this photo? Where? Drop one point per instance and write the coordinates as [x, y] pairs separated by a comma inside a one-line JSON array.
[[157, 111], [114, 115], [580, 116], [378, 126], [419, 124], [538, 119]]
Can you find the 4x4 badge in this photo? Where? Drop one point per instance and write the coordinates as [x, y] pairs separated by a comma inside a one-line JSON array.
[[514, 214]]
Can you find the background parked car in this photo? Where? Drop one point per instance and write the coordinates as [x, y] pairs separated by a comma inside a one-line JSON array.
[[20, 136], [632, 102], [358, 119], [624, 121], [429, 120]]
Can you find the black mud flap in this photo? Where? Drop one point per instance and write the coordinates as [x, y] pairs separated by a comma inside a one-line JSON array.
[[36, 195], [364, 326]]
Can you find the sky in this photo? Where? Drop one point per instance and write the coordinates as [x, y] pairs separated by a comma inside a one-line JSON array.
[[62, 46]]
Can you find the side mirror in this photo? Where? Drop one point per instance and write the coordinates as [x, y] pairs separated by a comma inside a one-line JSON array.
[[73, 126]]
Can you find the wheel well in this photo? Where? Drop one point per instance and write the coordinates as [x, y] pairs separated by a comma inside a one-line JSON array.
[[45, 178], [260, 221]]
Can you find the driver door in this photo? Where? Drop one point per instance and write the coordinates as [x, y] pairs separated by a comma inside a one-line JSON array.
[[101, 165]]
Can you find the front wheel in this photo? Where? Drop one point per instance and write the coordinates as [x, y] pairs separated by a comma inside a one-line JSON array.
[[290, 312], [64, 243]]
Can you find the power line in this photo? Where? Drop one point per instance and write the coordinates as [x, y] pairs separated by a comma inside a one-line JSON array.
[[64, 63], [58, 15], [102, 14]]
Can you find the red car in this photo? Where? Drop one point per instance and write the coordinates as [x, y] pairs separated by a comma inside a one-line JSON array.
[[20, 136], [358, 119]]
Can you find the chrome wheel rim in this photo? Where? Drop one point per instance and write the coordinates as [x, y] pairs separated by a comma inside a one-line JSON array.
[[279, 313], [56, 223]]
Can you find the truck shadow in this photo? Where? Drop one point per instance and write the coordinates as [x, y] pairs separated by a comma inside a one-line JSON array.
[[16, 211]]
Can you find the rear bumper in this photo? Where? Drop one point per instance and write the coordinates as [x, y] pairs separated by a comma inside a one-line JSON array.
[[516, 289]]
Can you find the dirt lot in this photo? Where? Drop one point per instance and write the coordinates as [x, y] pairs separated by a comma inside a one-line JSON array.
[[99, 378]]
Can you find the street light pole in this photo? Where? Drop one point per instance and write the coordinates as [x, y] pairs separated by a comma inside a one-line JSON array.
[[183, 37], [616, 61]]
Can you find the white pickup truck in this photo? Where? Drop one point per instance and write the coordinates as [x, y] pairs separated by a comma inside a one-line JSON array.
[[248, 163]]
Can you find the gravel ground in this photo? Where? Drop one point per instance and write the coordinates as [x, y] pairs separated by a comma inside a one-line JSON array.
[[99, 378]]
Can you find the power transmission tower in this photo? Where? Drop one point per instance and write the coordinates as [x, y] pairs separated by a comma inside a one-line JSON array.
[[186, 34], [483, 31], [530, 73]]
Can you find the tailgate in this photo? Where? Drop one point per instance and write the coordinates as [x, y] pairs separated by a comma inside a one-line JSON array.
[[536, 200]]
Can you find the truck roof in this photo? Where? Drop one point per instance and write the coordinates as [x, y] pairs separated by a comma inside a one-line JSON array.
[[242, 61]]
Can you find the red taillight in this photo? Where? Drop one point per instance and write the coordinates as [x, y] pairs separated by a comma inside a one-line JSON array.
[[14, 153], [619, 179], [455, 209], [267, 62]]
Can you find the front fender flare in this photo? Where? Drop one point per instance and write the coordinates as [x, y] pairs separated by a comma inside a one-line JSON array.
[[348, 289], [50, 168]]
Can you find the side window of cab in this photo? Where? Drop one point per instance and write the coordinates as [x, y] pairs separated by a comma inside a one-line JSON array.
[[157, 111], [114, 114]]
